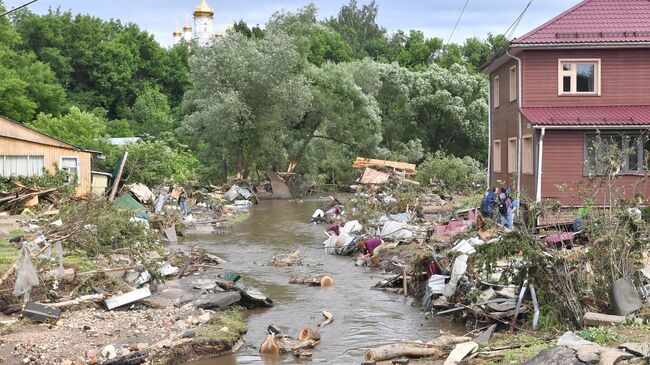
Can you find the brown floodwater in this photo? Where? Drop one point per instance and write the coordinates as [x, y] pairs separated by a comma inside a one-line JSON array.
[[362, 317]]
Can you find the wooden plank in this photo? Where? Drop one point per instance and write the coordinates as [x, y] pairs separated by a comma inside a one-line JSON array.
[[130, 297], [362, 162], [116, 183]]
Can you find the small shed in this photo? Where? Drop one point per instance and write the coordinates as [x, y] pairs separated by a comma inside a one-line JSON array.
[[27, 152], [100, 182]]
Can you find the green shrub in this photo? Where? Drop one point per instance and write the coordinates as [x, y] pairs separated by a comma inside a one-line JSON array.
[[451, 173]]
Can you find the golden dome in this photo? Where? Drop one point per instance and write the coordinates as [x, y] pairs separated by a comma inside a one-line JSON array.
[[203, 9], [218, 34], [177, 32], [187, 27]]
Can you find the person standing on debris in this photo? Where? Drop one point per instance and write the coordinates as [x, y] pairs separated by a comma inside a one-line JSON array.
[[487, 205], [182, 202], [505, 209], [370, 248]]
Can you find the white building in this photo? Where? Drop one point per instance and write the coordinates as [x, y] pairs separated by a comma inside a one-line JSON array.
[[204, 31]]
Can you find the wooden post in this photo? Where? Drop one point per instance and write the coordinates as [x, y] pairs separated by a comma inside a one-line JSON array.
[[406, 284], [116, 182]]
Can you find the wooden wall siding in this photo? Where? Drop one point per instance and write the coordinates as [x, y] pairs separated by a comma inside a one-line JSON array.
[[625, 77], [528, 181], [52, 156], [11, 129], [504, 124], [562, 165]]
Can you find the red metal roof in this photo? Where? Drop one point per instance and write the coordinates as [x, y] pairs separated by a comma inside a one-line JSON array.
[[595, 21], [588, 116]]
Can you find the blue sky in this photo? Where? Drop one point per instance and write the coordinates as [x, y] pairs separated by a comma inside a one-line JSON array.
[[433, 17]]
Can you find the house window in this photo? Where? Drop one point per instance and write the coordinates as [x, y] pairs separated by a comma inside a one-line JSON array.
[[615, 154], [512, 155], [527, 162], [513, 83], [579, 77], [496, 149], [21, 165], [71, 166], [495, 91]]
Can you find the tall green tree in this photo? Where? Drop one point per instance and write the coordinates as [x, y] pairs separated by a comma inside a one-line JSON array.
[[358, 26], [77, 127]]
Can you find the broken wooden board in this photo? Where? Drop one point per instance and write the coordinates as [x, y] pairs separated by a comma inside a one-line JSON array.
[[373, 177], [170, 233], [461, 351], [279, 187], [361, 163], [130, 297]]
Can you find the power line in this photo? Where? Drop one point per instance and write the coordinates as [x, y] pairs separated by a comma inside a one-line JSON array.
[[457, 21], [513, 27], [17, 8]]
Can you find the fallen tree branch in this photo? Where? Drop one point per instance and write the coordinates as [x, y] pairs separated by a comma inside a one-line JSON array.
[[81, 299]]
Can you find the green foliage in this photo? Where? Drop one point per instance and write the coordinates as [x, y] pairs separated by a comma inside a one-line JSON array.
[[232, 318], [77, 127], [101, 228], [57, 180], [525, 348], [601, 335], [150, 113], [453, 173], [153, 163], [8, 255]]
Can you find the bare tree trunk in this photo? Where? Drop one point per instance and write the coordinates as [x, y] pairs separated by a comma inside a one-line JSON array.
[[293, 164]]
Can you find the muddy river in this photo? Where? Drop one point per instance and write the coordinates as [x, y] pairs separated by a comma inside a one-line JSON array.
[[362, 317]]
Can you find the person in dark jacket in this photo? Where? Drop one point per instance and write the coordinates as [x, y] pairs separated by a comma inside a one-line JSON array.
[[487, 205]]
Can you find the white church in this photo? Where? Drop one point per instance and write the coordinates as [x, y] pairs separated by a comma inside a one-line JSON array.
[[203, 32]]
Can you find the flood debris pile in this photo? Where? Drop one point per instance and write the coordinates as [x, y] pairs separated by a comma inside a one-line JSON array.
[[278, 343], [96, 281], [462, 265]]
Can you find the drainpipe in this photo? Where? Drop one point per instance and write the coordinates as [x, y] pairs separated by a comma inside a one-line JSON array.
[[519, 103], [540, 151], [489, 161]]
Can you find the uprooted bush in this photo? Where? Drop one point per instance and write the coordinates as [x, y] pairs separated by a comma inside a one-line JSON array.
[[570, 280], [57, 180], [451, 173], [98, 227]]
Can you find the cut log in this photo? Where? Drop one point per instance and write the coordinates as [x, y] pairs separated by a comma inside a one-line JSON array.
[[290, 345], [307, 334], [320, 280], [399, 350]]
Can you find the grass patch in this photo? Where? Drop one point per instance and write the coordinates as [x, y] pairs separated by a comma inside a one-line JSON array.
[[232, 318], [80, 260], [8, 255], [601, 335], [530, 346]]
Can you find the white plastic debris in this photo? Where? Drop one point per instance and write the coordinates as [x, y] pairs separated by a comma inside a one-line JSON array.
[[57, 223], [392, 229], [351, 227], [436, 283], [26, 276], [458, 270], [318, 213], [167, 269]]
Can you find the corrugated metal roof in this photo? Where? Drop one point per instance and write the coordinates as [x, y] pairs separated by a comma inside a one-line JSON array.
[[595, 21], [588, 115]]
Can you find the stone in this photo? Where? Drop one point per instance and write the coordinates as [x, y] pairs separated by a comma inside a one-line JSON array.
[[571, 339], [66, 362], [79, 361], [93, 353], [612, 356], [589, 354], [217, 300], [638, 349], [27, 360], [224, 329], [140, 346], [180, 325], [164, 344], [109, 352], [204, 318], [125, 352], [555, 355]]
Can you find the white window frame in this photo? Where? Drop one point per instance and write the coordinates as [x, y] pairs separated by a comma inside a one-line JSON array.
[[574, 79], [528, 162], [496, 91], [78, 165], [513, 83], [497, 149], [512, 155]]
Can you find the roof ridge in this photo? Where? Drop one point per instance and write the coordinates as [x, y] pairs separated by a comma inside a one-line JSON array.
[[552, 20]]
